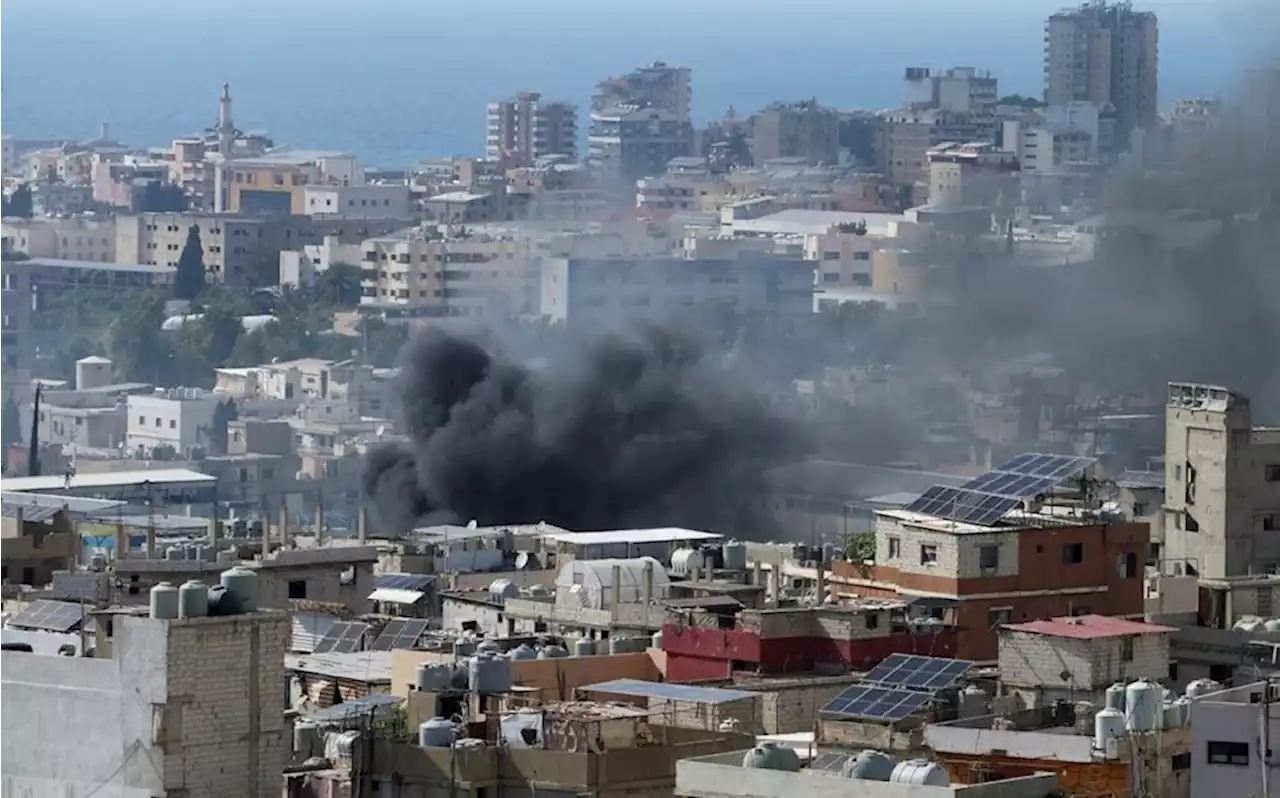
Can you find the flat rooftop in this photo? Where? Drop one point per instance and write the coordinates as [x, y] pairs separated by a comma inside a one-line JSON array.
[[638, 536], [94, 265], [108, 479], [1089, 627], [290, 157]]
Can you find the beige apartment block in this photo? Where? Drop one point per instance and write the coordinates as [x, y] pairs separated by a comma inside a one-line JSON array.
[[64, 239]]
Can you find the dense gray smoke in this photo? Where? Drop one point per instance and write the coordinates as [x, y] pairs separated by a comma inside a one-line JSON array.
[[633, 431]]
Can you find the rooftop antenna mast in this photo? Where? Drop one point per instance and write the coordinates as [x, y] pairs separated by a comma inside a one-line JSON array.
[[33, 452]]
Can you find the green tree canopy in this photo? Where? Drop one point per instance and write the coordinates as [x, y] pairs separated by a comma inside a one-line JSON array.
[[134, 341], [190, 279]]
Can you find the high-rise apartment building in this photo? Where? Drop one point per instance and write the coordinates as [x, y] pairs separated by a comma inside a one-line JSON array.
[[797, 130], [524, 128], [1105, 54], [639, 122]]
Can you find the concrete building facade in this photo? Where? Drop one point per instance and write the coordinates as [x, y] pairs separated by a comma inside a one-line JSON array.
[[76, 238], [1232, 734], [180, 419], [181, 708], [1105, 54], [524, 128], [368, 201], [797, 130]]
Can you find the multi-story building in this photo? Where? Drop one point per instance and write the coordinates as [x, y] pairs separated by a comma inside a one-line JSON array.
[[179, 420], [1231, 734], [1104, 54], [433, 273], [368, 201], [592, 292], [275, 182], [1046, 149], [628, 142], [524, 128], [960, 90], [653, 86], [76, 238], [1193, 123], [979, 174], [61, 199], [908, 135], [164, 708], [796, 130], [37, 541]]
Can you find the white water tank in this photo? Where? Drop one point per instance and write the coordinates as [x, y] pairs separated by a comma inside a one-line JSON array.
[[523, 651], [973, 702], [436, 733], [553, 652], [433, 678], [686, 562], [869, 765], [920, 772], [306, 740], [488, 647], [1108, 726], [242, 585], [735, 556], [489, 675], [193, 599], [619, 644], [1115, 697], [1084, 717], [463, 647], [656, 640], [1183, 707], [1272, 625], [1142, 706], [1249, 624], [1202, 687], [584, 647], [164, 602], [771, 756], [503, 589]]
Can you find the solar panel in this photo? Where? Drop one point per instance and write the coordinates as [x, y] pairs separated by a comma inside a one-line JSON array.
[[1036, 464], [399, 633], [80, 586], [30, 513], [379, 704], [913, 672], [967, 506], [416, 582], [1018, 486], [876, 702], [53, 616], [343, 637]]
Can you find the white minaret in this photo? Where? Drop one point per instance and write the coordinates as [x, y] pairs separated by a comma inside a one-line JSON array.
[[226, 130]]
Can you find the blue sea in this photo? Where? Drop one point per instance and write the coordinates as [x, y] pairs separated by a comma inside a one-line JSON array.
[[401, 80]]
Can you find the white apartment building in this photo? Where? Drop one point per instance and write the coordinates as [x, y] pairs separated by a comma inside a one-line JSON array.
[[77, 238], [1233, 734], [230, 243], [909, 134], [1104, 54], [604, 292], [179, 419], [843, 260], [368, 201], [962, 89], [438, 274], [972, 175], [300, 267], [524, 128]]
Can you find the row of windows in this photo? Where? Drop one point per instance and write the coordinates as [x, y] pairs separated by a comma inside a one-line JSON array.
[[142, 422], [989, 556]]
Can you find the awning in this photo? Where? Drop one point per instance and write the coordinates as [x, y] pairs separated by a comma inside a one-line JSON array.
[[393, 595]]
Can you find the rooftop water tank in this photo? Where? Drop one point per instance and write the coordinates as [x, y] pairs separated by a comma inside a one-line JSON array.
[[98, 562], [306, 741], [435, 733], [553, 652], [619, 644], [503, 589], [463, 647], [489, 675], [1271, 625], [1085, 711], [1170, 715], [540, 590], [1249, 624], [527, 561], [1202, 687], [1108, 727], [655, 641], [242, 586], [771, 756], [428, 678], [735, 556], [920, 772], [686, 562], [869, 765], [1142, 706], [174, 553], [460, 674], [584, 647], [193, 600], [1115, 697], [1183, 706], [489, 647], [164, 602], [226, 557], [973, 702], [523, 651]]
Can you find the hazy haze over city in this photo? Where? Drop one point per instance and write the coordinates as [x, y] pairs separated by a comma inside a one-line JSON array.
[[399, 81]]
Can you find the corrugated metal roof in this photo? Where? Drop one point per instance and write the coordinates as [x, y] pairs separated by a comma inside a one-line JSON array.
[[308, 628]]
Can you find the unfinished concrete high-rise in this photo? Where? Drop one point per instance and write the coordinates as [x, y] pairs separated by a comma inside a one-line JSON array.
[[1105, 54]]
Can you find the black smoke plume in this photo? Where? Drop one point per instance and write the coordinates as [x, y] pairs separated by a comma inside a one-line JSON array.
[[632, 431]]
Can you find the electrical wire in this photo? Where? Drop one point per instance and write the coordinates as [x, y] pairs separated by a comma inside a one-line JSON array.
[[134, 748]]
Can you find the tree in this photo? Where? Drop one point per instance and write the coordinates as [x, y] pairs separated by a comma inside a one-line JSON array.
[[1025, 102], [223, 415], [134, 340], [19, 202], [339, 286], [190, 279], [11, 422], [158, 197]]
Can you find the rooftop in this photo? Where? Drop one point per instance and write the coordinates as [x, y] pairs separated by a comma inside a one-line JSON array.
[[663, 535], [93, 265], [109, 479], [798, 220], [1089, 627], [290, 157], [358, 666], [671, 692]]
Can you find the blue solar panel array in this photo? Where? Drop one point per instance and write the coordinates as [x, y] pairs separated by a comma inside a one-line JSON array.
[[874, 702], [918, 673], [1028, 475], [417, 582], [899, 686], [967, 506]]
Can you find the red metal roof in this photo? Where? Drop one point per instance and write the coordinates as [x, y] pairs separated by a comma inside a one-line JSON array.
[[1088, 627]]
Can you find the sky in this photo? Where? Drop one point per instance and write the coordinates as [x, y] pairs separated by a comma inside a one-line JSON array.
[[402, 80]]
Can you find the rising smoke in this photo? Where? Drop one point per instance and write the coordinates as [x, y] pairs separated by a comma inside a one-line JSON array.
[[634, 430]]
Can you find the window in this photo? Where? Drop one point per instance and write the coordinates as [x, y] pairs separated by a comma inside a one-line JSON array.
[[297, 588], [29, 576], [831, 255], [1126, 649], [1139, 509], [173, 424], [1222, 753], [873, 620], [1173, 671], [999, 616], [1182, 761], [895, 547], [1127, 565], [928, 554], [1272, 472], [1073, 553], [268, 472], [142, 421], [157, 422], [988, 557], [1270, 522]]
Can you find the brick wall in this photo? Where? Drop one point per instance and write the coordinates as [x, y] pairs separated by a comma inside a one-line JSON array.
[[1038, 661], [224, 718]]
